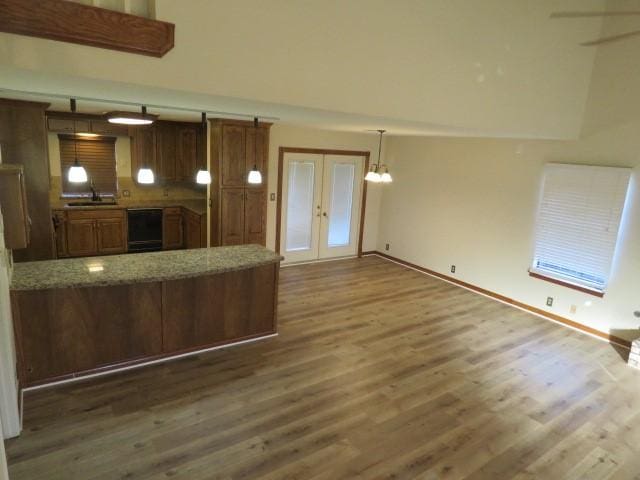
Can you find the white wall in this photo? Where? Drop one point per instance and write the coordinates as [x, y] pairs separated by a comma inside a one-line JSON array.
[[499, 67], [291, 136], [472, 202]]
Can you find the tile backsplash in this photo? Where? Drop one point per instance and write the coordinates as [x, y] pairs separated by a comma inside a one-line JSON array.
[[141, 192]]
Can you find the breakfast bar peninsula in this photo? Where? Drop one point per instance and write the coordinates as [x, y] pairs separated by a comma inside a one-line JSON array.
[[74, 317]]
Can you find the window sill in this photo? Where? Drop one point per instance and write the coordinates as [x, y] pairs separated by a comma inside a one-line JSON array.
[[580, 288]]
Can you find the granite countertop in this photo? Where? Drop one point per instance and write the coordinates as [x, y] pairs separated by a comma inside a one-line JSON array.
[[138, 268], [198, 206]]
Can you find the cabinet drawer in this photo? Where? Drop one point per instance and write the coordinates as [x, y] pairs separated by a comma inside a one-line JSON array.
[[95, 214], [172, 211]]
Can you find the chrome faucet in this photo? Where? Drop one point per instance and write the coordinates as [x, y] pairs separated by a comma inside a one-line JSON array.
[[95, 196]]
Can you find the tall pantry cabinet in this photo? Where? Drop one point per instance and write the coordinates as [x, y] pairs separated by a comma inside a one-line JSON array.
[[239, 209]]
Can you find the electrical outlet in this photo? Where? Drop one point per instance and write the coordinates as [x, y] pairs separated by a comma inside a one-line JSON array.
[[126, 193], [272, 197], [573, 309], [386, 247], [549, 301], [166, 192], [453, 269]]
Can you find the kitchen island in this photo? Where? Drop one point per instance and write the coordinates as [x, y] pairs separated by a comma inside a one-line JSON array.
[[74, 317]]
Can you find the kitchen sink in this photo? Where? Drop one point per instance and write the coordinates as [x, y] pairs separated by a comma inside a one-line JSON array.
[[104, 203]]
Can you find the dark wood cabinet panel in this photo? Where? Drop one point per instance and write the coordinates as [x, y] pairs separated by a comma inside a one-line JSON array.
[[208, 310], [194, 227], [59, 219], [23, 137], [172, 230], [166, 151], [187, 163], [143, 149], [112, 235], [233, 156], [70, 330], [81, 237], [255, 216], [104, 127], [232, 213]]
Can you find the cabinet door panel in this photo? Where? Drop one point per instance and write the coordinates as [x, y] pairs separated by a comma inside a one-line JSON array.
[[166, 151], [81, 237], [187, 154], [193, 227], [254, 217], [257, 157], [74, 329], [232, 216], [233, 156], [60, 231], [111, 235], [172, 237]]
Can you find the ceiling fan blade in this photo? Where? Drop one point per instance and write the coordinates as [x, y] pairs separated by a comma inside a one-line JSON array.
[[593, 14], [612, 38]]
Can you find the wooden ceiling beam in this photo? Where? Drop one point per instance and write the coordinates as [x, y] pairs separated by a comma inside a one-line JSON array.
[[86, 25]]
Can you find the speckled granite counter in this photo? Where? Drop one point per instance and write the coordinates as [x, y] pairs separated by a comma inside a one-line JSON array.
[[195, 205], [138, 268]]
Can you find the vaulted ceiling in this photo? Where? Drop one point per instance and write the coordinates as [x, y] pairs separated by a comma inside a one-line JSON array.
[[449, 67]]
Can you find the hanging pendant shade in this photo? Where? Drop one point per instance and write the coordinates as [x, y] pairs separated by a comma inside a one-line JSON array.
[[77, 173], [203, 177], [255, 177], [146, 176]]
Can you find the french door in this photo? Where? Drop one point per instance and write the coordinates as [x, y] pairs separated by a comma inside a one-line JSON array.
[[321, 197]]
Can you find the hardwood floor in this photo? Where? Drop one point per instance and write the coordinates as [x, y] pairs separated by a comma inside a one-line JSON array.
[[378, 372]]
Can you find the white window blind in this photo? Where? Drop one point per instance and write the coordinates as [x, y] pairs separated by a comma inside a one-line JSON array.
[[578, 222]]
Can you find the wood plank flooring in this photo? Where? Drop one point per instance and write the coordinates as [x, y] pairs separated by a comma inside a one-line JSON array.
[[378, 372]]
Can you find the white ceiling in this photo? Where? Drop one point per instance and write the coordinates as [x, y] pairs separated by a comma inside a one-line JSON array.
[[497, 68]]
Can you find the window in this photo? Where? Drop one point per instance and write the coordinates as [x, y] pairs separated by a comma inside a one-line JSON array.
[[578, 223], [98, 156]]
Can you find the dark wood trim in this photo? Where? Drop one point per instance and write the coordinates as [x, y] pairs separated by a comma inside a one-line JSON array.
[[143, 361], [23, 103], [589, 291], [86, 25], [510, 301], [320, 151]]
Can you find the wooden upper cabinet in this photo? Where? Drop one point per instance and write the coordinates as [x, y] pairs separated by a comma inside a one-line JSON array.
[[166, 150], [256, 156], [255, 216], [143, 149], [187, 152], [232, 214], [233, 156]]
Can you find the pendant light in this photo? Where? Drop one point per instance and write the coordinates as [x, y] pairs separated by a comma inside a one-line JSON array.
[[379, 173], [77, 173], [255, 177], [203, 177], [131, 118], [145, 175]]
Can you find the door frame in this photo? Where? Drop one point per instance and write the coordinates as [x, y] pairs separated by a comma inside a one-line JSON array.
[[321, 151]]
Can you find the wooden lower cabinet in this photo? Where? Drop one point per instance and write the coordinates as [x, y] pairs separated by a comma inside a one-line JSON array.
[[232, 216], [172, 228], [195, 229], [84, 233], [255, 224], [66, 332]]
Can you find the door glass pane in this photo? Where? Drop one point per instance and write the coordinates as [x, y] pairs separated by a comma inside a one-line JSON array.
[[341, 201], [300, 206]]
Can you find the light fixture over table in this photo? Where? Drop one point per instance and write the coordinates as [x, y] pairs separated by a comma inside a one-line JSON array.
[[132, 118], [379, 173]]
